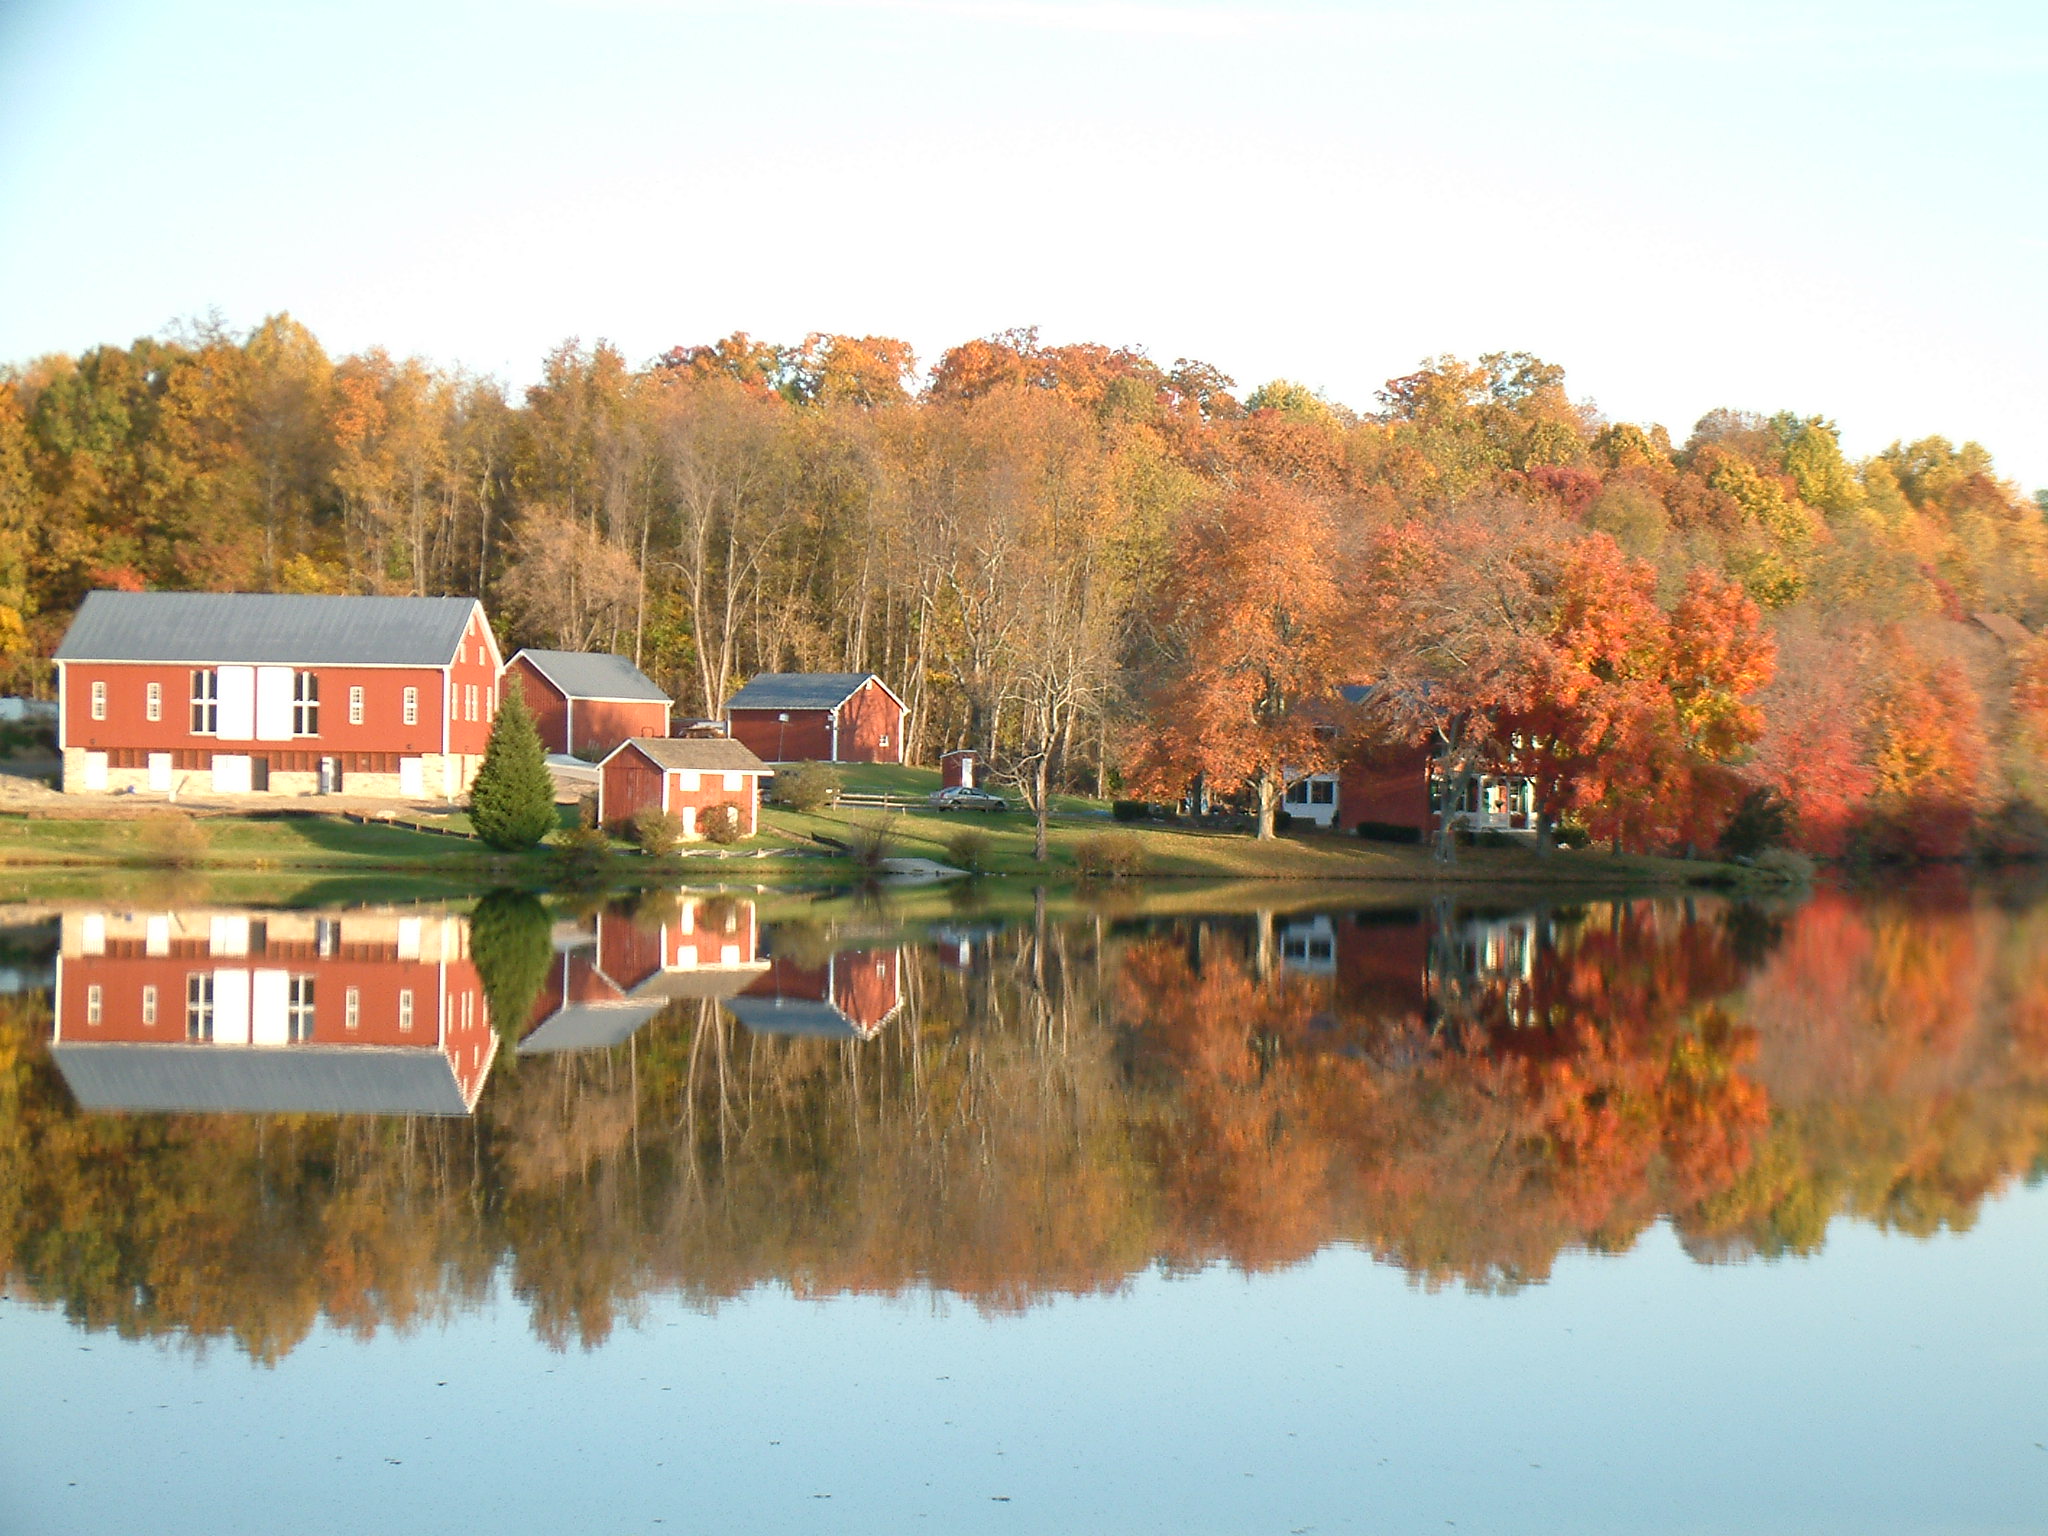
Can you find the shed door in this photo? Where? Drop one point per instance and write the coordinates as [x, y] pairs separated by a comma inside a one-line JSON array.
[[95, 770], [231, 775], [160, 772], [412, 777]]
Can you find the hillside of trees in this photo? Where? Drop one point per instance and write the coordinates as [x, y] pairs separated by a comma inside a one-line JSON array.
[[1116, 572]]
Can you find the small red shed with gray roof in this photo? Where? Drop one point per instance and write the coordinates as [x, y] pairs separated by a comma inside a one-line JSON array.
[[818, 717], [585, 703], [684, 777]]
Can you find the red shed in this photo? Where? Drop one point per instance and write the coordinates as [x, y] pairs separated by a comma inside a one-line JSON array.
[[850, 996], [683, 777], [818, 717], [587, 702], [958, 767]]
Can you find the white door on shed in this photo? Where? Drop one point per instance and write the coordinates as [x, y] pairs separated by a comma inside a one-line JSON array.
[[95, 770], [160, 772], [235, 718], [412, 777]]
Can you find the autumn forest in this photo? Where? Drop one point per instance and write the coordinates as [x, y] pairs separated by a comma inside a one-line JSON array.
[[1117, 574]]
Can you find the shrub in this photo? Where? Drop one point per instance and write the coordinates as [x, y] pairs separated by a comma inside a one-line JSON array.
[[721, 823], [1283, 820], [176, 842], [808, 786], [1131, 810], [867, 844], [1785, 865], [512, 801], [1109, 855], [968, 848], [1571, 835], [1388, 832], [1763, 820], [583, 856], [655, 832]]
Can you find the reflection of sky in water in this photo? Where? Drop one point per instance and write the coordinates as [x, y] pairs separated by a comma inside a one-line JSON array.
[[1889, 1384]]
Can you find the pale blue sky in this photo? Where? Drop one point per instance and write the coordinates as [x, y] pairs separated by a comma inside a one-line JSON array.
[[1832, 208]]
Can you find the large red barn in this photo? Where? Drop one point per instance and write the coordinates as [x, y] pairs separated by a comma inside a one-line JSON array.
[[818, 717], [587, 702], [216, 693]]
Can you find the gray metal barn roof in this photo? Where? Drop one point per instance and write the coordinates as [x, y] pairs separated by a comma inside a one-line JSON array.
[[255, 627], [260, 1080], [706, 754], [594, 675], [799, 690], [793, 1016]]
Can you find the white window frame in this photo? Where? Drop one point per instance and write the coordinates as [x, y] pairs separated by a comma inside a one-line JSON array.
[[198, 1005], [95, 1005], [352, 1008], [99, 699], [205, 701], [405, 1010], [299, 1009], [149, 1005], [412, 706], [355, 705], [152, 702], [305, 704]]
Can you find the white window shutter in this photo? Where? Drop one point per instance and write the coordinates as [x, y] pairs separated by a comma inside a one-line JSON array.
[[273, 703], [237, 697]]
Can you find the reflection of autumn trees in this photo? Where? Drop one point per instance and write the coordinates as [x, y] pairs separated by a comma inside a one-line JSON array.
[[1062, 1105]]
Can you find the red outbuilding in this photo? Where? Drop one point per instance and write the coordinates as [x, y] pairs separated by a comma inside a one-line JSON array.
[[587, 702], [234, 693], [685, 778], [818, 717], [850, 995]]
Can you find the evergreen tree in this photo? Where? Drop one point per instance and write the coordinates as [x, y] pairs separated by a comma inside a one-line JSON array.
[[512, 802], [510, 942]]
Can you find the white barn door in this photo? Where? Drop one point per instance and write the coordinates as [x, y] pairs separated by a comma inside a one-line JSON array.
[[273, 703], [235, 719]]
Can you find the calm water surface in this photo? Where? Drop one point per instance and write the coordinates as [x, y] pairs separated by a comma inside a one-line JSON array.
[[714, 1213]]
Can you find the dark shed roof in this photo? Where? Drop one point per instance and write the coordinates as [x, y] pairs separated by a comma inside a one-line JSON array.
[[802, 690], [594, 675], [241, 627], [707, 754], [298, 1079]]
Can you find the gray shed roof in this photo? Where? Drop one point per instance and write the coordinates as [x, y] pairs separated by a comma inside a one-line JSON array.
[[792, 1016], [704, 754], [259, 1080], [801, 690], [242, 627], [594, 675]]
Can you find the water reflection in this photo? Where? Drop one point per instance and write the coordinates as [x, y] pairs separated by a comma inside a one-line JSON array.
[[378, 1012], [703, 1098]]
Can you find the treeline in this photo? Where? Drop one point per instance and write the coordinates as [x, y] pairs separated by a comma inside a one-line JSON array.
[[1086, 1103], [1105, 570]]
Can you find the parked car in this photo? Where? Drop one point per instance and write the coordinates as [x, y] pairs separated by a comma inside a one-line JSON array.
[[958, 797]]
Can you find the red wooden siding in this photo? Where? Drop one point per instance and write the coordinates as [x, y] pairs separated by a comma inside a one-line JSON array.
[[1390, 787], [600, 724], [807, 738]]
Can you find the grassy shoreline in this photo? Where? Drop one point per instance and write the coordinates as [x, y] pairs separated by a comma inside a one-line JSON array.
[[317, 851]]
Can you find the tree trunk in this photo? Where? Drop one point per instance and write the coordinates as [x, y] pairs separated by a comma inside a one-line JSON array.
[[1040, 807], [1267, 789]]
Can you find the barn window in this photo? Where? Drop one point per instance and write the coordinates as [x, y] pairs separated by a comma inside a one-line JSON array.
[[305, 704], [99, 701], [149, 1005], [205, 702], [355, 706], [352, 1008], [469, 702], [736, 781], [153, 701], [92, 1005], [405, 1010], [412, 706], [199, 1006], [1322, 792], [299, 1010]]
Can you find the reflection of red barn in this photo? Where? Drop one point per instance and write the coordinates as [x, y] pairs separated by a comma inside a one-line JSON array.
[[588, 701], [824, 717], [599, 993], [277, 1012], [850, 995]]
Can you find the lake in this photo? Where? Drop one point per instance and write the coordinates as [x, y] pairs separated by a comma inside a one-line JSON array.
[[1137, 1211]]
